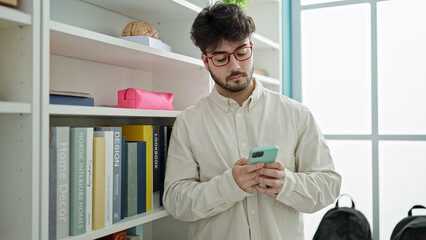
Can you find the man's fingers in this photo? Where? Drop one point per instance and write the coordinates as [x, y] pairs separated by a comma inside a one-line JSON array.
[[275, 165], [267, 190], [272, 173]]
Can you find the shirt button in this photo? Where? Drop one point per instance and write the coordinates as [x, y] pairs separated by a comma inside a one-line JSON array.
[[253, 212], [243, 144], [239, 115]]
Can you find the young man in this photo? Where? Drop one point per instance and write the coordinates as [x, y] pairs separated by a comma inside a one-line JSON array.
[[208, 181]]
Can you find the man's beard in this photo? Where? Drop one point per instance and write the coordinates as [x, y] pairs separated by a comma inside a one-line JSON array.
[[240, 84]]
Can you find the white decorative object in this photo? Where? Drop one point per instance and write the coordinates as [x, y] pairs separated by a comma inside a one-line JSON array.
[[148, 41]]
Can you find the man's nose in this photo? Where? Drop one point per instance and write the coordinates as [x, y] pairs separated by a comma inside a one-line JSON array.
[[233, 62]]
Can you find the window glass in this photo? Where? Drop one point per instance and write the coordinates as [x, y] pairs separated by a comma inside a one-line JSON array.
[[352, 160], [309, 2], [401, 56], [402, 181], [336, 67]]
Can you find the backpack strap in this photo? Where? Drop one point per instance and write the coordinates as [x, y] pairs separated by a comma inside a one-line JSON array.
[[415, 206], [347, 195]]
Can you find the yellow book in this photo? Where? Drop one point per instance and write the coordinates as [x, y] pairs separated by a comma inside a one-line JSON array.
[[142, 133], [98, 207]]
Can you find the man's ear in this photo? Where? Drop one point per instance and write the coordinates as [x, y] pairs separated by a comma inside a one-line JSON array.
[[204, 58]]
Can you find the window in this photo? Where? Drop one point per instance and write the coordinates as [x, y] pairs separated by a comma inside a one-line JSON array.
[[360, 69]]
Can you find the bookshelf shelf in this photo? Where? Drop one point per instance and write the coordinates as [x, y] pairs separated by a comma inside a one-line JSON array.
[[124, 224], [266, 79], [262, 42], [15, 107], [10, 18], [67, 110], [153, 10], [71, 41]]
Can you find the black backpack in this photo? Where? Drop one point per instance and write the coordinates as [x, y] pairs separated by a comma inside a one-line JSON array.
[[343, 223], [411, 227]]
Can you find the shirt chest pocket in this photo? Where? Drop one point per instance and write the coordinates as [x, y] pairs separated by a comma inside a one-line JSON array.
[[285, 153]]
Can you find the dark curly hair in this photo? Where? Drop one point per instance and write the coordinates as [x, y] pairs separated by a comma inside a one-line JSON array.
[[221, 21]]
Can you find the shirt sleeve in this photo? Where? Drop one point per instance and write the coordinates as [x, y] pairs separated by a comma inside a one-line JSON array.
[[185, 197], [315, 183]]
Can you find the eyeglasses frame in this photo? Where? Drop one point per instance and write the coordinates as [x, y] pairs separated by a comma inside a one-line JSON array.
[[233, 53]]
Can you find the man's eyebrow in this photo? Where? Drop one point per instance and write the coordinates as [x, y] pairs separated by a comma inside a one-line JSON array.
[[218, 52]]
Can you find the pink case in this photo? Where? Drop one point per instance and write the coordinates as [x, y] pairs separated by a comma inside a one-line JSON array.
[[142, 99]]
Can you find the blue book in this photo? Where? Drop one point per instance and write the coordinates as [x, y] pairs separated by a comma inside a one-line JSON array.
[[162, 160], [70, 100], [123, 177], [141, 177]]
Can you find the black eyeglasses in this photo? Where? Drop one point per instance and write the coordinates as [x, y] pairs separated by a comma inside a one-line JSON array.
[[241, 54]]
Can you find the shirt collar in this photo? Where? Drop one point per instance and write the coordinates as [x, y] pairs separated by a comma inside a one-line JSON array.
[[224, 103]]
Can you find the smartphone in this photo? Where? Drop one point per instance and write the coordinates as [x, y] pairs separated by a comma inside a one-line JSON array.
[[264, 154]]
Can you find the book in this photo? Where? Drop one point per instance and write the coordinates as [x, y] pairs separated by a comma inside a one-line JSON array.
[[133, 237], [131, 187], [78, 172], [123, 176], [98, 206], [156, 155], [61, 141], [143, 133], [117, 164], [163, 158], [121, 235], [70, 100], [136, 231], [52, 191], [109, 156], [141, 177], [89, 179], [69, 93]]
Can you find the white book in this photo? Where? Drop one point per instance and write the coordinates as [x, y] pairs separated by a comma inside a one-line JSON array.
[[61, 140], [89, 179], [109, 159]]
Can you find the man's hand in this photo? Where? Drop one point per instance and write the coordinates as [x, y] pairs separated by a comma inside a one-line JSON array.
[[273, 176], [245, 175]]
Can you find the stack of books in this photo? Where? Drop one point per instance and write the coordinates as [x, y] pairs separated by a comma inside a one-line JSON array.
[[71, 98], [101, 175]]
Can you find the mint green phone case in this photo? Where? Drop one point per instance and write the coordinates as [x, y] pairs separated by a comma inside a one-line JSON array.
[[264, 154]]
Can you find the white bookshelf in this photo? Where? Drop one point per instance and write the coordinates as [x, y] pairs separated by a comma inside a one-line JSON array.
[[11, 18], [15, 107], [20, 121], [124, 224], [80, 50], [68, 110]]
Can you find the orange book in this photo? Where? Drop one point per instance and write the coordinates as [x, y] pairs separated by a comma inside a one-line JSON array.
[[98, 207]]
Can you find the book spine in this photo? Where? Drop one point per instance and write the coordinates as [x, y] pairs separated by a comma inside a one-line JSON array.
[[78, 155], [156, 155], [109, 155], [163, 156], [98, 207], [148, 138], [117, 165], [52, 191], [62, 142], [131, 187], [141, 177], [68, 100], [123, 177], [89, 179]]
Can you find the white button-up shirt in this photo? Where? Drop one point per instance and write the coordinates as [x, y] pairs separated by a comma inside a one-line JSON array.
[[209, 137]]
